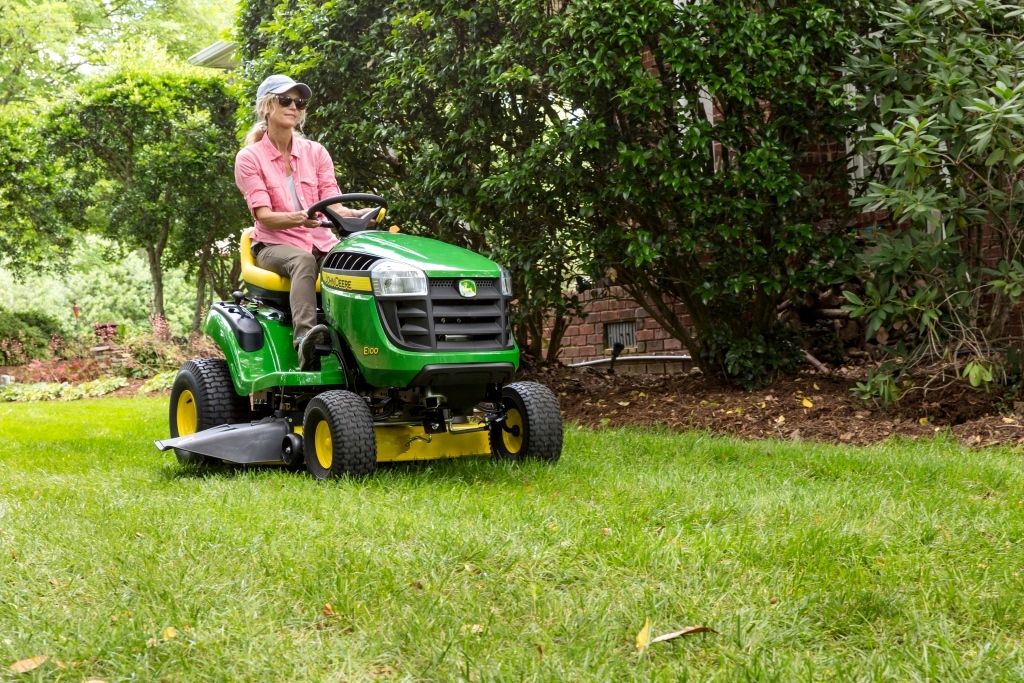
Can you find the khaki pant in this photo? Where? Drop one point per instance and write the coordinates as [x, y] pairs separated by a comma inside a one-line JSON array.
[[302, 267]]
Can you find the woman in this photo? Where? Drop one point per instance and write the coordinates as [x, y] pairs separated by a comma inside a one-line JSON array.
[[280, 172]]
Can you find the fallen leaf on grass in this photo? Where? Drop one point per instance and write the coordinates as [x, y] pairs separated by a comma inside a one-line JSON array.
[[540, 649], [685, 632], [55, 583], [170, 632], [328, 610], [473, 628], [26, 665], [643, 639]]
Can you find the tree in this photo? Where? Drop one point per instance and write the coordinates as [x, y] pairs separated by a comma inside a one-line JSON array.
[[34, 196], [427, 102], [695, 128], [44, 44], [941, 86], [576, 137], [153, 151]]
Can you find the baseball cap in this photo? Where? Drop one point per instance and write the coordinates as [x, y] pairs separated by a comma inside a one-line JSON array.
[[279, 83]]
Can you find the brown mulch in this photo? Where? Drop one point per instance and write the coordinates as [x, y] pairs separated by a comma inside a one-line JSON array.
[[681, 402], [595, 399]]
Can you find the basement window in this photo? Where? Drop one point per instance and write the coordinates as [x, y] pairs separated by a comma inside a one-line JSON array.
[[623, 332]]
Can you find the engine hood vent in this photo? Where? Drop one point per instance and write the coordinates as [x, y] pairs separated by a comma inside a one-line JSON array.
[[349, 261]]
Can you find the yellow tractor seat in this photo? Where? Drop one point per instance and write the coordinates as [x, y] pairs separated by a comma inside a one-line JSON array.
[[257, 277]]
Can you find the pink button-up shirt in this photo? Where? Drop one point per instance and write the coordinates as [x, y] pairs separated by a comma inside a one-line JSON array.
[[260, 175]]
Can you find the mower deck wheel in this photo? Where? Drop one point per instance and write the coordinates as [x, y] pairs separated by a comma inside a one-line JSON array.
[[532, 427], [338, 437], [203, 396]]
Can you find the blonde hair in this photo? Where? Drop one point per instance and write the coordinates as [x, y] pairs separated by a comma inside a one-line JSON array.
[[259, 129]]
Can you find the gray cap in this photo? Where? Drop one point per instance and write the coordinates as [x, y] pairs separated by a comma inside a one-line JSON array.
[[278, 83]]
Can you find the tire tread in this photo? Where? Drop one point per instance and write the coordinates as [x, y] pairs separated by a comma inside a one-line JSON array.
[[544, 431], [348, 415]]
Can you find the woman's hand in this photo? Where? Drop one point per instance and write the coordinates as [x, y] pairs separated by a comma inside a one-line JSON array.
[[302, 221]]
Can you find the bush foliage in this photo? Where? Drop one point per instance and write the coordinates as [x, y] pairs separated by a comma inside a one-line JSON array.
[[576, 139], [940, 85], [26, 335]]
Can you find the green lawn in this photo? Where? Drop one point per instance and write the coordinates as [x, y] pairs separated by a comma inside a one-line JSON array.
[[901, 562]]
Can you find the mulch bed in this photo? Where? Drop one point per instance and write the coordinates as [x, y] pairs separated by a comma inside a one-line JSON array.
[[814, 407], [593, 398]]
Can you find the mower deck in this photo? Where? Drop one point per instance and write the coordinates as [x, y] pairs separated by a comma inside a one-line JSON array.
[[261, 442]]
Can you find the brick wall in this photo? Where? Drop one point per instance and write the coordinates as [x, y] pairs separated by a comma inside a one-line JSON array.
[[585, 339]]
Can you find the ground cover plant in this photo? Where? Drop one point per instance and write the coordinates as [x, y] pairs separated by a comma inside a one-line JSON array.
[[812, 562]]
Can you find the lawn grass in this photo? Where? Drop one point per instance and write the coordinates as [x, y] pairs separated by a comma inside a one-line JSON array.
[[813, 562]]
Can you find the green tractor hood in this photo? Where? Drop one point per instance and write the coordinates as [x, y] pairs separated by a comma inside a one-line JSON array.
[[437, 259]]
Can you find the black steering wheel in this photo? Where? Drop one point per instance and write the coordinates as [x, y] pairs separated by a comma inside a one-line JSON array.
[[345, 225]]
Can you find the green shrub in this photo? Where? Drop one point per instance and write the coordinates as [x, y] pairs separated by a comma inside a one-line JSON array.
[[25, 335], [51, 391], [163, 381]]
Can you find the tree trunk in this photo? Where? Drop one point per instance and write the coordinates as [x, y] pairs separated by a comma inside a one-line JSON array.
[[201, 283], [156, 273], [155, 253], [558, 328]]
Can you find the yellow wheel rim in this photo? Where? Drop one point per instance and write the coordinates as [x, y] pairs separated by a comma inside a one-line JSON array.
[[513, 444], [187, 416], [324, 445]]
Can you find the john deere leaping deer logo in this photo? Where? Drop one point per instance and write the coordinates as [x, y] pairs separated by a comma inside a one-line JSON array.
[[467, 288]]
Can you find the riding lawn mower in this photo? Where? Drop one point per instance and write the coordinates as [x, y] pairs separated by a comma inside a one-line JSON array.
[[419, 365]]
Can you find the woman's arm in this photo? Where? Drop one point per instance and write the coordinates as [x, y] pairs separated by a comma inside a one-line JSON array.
[[282, 220]]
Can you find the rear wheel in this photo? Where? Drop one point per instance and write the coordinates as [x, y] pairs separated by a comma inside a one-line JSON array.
[[532, 426], [203, 396], [337, 435]]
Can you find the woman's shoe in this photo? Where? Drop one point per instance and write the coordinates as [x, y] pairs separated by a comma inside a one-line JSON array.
[[308, 360]]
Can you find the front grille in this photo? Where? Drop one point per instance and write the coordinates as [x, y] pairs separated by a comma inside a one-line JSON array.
[[446, 321], [349, 261]]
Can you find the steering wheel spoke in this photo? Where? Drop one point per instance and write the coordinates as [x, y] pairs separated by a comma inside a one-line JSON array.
[[345, 225]]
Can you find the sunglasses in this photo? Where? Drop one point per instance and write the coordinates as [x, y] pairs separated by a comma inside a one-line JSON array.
[[287, 101]]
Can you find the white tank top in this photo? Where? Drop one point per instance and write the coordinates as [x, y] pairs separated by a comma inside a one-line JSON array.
[[295, 195]]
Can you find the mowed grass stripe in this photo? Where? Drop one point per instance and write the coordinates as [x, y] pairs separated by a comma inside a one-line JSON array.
[[813, 562]]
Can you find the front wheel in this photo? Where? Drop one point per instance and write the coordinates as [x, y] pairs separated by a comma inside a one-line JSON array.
[[533, 424], [203, 396], [338, 437]]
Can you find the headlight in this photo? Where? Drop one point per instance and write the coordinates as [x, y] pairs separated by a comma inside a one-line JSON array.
[[506, 281], [390, 278]]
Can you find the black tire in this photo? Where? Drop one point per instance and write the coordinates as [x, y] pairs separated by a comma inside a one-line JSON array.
[[212, 394], [345, 444], [534, 410]]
